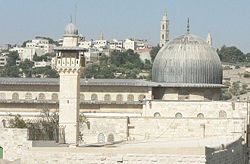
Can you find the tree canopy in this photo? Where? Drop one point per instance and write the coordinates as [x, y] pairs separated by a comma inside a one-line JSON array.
[[126, 65], [231, 54], [154, 52]]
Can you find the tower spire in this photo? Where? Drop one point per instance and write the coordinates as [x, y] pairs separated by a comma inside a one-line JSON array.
[[188, 26], [164, 30]]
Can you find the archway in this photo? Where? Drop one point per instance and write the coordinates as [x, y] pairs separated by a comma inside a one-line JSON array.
[[101, 138], [111, 138]]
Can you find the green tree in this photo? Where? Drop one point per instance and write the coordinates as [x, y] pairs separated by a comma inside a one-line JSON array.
[[147, 65], [231, 54], [45, 72], [235, 89], [17, 122], [226, 95], [45, 57], [154, 52], [11, 71], [51, 41], [120, 65], [26, 67], [24, 43], [12, 58]]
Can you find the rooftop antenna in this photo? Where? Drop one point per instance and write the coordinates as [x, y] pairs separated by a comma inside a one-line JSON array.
[[70, 18], [75, 10], [188, 26]]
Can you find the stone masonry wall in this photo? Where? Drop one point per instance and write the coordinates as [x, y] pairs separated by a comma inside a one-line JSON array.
[[138, 128], [115, 158], [14, 143]]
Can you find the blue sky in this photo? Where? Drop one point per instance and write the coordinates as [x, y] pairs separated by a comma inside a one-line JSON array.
[[227, 20]]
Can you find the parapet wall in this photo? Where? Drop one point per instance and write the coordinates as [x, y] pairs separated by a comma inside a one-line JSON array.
[[14, 143]]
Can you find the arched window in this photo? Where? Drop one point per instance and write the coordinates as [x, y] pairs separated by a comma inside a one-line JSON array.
[[101, 138], [94, 97], [130, 98], [111, 138], [107, 97], [41, 96], [2, 96], [208, 95], [82, 97], [162, 36], [28, 96], [157, 114], [200, 115], [4, 123], [119, 98], [163, 27], [141, 97], [15, 96], [178, 115], [54, 96], [183, 94], [222, 114]]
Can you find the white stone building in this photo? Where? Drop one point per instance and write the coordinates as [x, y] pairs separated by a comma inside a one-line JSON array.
[[92, 55], [3, 59], [100, 44], [42, 44], [86, 44], [129, 44], [40, 64], [115, 44]]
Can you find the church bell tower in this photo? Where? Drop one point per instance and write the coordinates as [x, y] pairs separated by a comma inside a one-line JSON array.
[[164, 30], [69, 62]]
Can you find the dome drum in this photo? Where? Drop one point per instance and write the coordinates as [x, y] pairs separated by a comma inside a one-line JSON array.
[[70, 30]]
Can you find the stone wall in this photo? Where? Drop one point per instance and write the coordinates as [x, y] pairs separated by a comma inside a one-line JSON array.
[[167, 128], [150, 128], [227, 154], [14, 143], [191, 109], [104, 129], [43, 157]]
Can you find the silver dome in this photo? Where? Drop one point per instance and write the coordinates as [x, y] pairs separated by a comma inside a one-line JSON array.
[[187, 59], [70, 30]]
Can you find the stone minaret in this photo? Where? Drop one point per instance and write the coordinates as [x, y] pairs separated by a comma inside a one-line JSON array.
[[164, 30], [69, 62], [209, 39]]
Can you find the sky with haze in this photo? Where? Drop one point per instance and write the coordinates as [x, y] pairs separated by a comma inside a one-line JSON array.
[[227, 20]]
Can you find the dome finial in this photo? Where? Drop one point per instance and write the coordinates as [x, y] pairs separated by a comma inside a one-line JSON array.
[[165, 13], [188, 26]]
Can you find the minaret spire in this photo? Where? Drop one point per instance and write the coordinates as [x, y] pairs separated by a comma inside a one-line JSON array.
[[209, 39], [188, 26]]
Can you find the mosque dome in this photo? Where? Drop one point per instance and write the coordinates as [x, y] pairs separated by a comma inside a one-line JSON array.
[[70, 29], [187, 59]]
